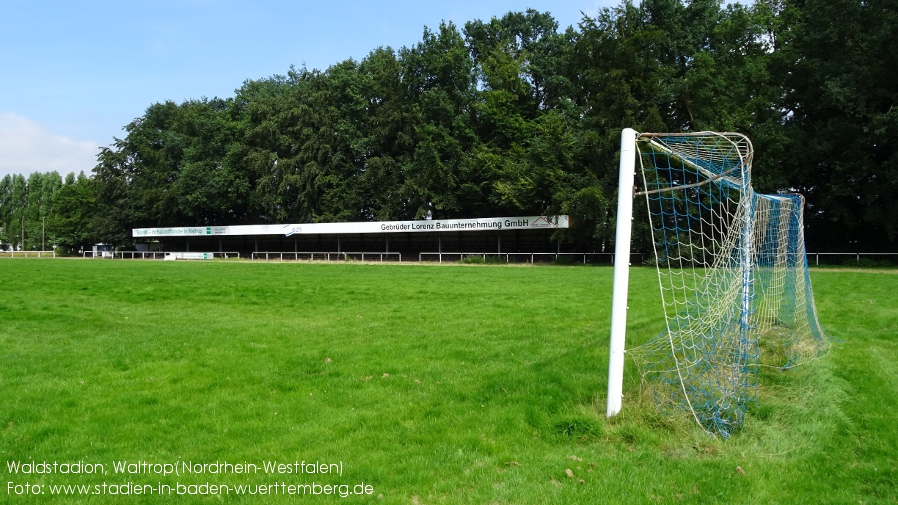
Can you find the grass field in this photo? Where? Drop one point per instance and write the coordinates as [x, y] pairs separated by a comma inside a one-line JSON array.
[[425, 384]]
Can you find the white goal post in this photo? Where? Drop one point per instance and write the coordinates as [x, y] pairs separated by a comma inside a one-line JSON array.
[[625, 190]]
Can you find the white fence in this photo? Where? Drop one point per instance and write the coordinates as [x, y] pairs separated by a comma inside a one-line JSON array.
[[27, 254], [890, 256], [814, 258], [519, 257], [150, 255], [327, 256]]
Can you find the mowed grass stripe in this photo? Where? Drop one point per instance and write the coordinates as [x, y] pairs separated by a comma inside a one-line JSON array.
[[441, 384]]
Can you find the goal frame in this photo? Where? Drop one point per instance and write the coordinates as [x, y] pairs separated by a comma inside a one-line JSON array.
[[623, 238]]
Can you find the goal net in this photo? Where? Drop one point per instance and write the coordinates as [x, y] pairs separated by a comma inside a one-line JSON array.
[[733, 274]]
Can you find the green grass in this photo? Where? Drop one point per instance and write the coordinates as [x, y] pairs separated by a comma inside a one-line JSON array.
[[432, 384]]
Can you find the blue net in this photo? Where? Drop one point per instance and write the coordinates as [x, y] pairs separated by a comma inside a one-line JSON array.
[[733, 275]]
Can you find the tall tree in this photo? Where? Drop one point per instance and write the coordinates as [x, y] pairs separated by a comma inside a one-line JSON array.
[[178, 163], [13, 211], [211, 185], [6, 212], [42, 190], [439, 79], [72, 223], [286, 144], [840, 73], [345, 99]]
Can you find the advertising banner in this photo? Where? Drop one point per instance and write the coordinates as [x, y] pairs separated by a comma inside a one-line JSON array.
[[424, 225]]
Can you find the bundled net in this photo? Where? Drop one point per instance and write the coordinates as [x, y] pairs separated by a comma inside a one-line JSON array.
[[733, 275]]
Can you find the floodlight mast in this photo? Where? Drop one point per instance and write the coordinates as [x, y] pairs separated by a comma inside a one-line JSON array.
[[621, 270]]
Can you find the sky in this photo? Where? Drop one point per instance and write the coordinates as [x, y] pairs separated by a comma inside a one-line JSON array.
[[73, 73]]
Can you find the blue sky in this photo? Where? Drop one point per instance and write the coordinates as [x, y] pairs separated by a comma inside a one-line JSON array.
[[75, 72]]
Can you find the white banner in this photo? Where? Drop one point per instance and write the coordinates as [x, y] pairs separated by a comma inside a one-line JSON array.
[[431, 225]]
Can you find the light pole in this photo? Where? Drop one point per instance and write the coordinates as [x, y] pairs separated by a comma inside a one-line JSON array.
[[43, 221]]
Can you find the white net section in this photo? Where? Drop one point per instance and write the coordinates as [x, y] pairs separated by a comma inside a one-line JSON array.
[[733, 275]]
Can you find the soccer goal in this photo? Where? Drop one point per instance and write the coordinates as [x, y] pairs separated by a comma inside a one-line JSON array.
[[732, 270]]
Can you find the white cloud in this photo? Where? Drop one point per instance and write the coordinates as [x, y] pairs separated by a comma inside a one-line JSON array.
[[27, 147]]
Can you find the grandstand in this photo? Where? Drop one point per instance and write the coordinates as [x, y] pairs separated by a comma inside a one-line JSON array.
[[513, 239]]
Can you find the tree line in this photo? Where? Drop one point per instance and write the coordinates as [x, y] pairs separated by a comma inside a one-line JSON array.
[[511, 116]]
